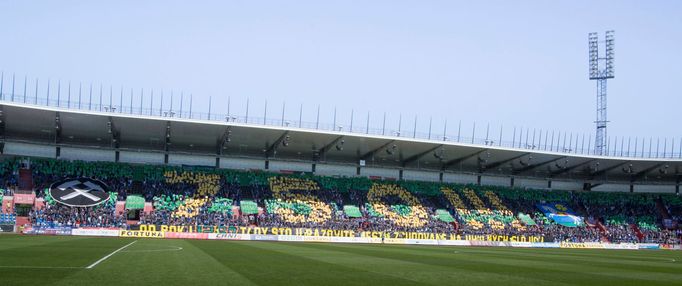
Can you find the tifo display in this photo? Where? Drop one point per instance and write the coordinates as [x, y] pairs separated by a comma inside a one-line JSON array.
[[112, 199]]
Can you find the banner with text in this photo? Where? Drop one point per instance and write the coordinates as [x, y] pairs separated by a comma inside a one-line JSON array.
[[141, 234], [321, 232]]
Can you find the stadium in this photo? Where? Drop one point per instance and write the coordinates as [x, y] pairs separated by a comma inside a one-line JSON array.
[[98, 189]]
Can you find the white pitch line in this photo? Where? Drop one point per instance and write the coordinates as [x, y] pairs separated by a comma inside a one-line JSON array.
[[109, 255]]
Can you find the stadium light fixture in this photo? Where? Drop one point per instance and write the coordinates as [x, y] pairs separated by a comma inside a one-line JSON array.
[[391, 151], [339, 146], [593, 45], [601, 69], [440, 154]]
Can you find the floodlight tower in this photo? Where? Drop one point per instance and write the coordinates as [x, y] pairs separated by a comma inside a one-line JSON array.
[[601, 69]]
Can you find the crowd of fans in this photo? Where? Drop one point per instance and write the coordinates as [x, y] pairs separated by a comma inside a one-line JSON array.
[[201, 197], [58, 215]]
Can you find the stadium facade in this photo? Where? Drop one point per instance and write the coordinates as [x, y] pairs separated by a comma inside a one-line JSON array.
[[104, 171]]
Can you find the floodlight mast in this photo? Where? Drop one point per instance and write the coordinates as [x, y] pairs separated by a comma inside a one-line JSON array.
[[601, 69]]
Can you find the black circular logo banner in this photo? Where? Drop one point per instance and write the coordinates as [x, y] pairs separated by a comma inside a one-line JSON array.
[[79, 192]]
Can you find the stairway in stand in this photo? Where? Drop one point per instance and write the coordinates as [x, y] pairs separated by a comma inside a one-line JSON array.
[[120, 207], [25, 180], [24, 196], [582, 210], [662, 210], [638, 232], [137, 187], [603, 231], [22, 221]]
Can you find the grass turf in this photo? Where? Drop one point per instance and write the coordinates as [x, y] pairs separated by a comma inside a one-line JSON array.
[[51, 260]]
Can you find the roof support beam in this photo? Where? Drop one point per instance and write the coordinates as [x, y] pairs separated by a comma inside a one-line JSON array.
[[221, 144], [641, 174], [531, 167], [603, 171], [323, 152], [461, 159], [272, 149], [166, 146], [57, 129], [115, 139], [419, 155], [571, 168], [594, 185], [371, 154], [502, 162]]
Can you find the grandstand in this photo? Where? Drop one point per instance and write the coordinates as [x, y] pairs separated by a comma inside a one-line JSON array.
[[360, 190], [76, 172]]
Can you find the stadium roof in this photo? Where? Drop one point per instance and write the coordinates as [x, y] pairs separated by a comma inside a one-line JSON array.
[[90, 129]]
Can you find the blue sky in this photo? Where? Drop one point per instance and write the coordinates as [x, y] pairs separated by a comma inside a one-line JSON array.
[[511, 63]]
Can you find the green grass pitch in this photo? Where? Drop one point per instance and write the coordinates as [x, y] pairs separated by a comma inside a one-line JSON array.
[[50, 260]]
